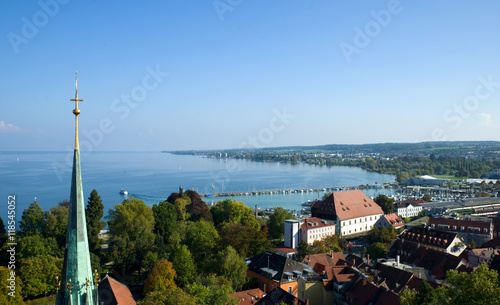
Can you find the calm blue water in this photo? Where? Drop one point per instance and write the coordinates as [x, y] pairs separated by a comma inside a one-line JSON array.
[[152, 176]]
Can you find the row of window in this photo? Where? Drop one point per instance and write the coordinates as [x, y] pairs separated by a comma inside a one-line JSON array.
[[355, 230], [320, 235], [360, 221]]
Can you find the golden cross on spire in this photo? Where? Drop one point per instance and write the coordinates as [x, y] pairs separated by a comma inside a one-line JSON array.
[[76, 111]]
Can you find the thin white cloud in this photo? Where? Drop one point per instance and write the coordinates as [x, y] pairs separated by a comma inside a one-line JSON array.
[[8, 127], [485, 120]]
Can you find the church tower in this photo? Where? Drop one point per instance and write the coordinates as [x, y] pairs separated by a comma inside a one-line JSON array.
[[76, 285]]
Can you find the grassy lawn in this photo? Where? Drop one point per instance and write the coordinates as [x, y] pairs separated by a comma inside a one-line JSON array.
[[43, 301], [448, 177]]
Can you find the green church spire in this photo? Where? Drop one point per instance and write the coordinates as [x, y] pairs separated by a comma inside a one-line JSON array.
[[77, 283]]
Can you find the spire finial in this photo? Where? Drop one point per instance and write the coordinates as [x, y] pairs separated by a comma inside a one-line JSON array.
[[76, 111]]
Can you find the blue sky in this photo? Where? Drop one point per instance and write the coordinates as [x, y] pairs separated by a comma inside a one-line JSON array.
[[169, 75]]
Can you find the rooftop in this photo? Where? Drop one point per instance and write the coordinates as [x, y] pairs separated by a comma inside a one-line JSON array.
[[347, 205], [314, 223]]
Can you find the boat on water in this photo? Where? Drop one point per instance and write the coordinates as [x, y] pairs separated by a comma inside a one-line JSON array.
[[123, 192]]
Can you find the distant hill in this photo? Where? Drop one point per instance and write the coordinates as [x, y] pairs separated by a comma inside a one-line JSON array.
[[450, 148]]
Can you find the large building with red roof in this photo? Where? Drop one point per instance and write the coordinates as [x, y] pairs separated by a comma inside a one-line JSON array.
[[354, 212]]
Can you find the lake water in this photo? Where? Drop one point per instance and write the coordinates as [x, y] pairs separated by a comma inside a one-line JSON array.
[[152, 176]]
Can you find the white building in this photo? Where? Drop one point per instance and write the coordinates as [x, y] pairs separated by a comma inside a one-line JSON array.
[[292, 231], [409, 208], [390, 220], [426, 181], [354, 212], [316, 229], [308, 230]]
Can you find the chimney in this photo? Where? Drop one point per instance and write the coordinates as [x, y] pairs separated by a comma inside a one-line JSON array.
[[307, 301], [368, 259], [397, 260]]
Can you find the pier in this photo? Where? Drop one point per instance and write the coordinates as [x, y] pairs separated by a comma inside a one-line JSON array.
[[294, 191]]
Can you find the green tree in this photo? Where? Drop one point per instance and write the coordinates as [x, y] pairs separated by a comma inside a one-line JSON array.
[[332, 243], [171, 296], [3, 233], [276, 223], [377, 250], [231, 211], [32, 220], [201, 239], [165, 217], [38, 275], [161, 277], [34, 245], [382, 235], [183, 264], [55, 224], [303, 250], [426, 295], [94, 213], [386, 203], [95, 262], [180, 205], [229, 265], [427, 198], [15, 297], [482, 286], [198, 209], [247, 240], [479, 287], [131, 225], [212, 290], [149, 260]]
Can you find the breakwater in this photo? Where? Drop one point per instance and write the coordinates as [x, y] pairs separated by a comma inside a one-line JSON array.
[[295, 191]]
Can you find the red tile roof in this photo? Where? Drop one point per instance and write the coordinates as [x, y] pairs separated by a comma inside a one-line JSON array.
[[318, 223], [286, 250], [320, 261], [467, 225], [361, 292], [120, 292], [346, 205], [394, 220], [413, 202], [427, 236], [248, 297]]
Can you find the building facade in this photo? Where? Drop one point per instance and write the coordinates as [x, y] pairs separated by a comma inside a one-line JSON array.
[[409, 208], [354, 212], [308, 230]]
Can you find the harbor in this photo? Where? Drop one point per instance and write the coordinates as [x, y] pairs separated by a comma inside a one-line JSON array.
[[319, 191]]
